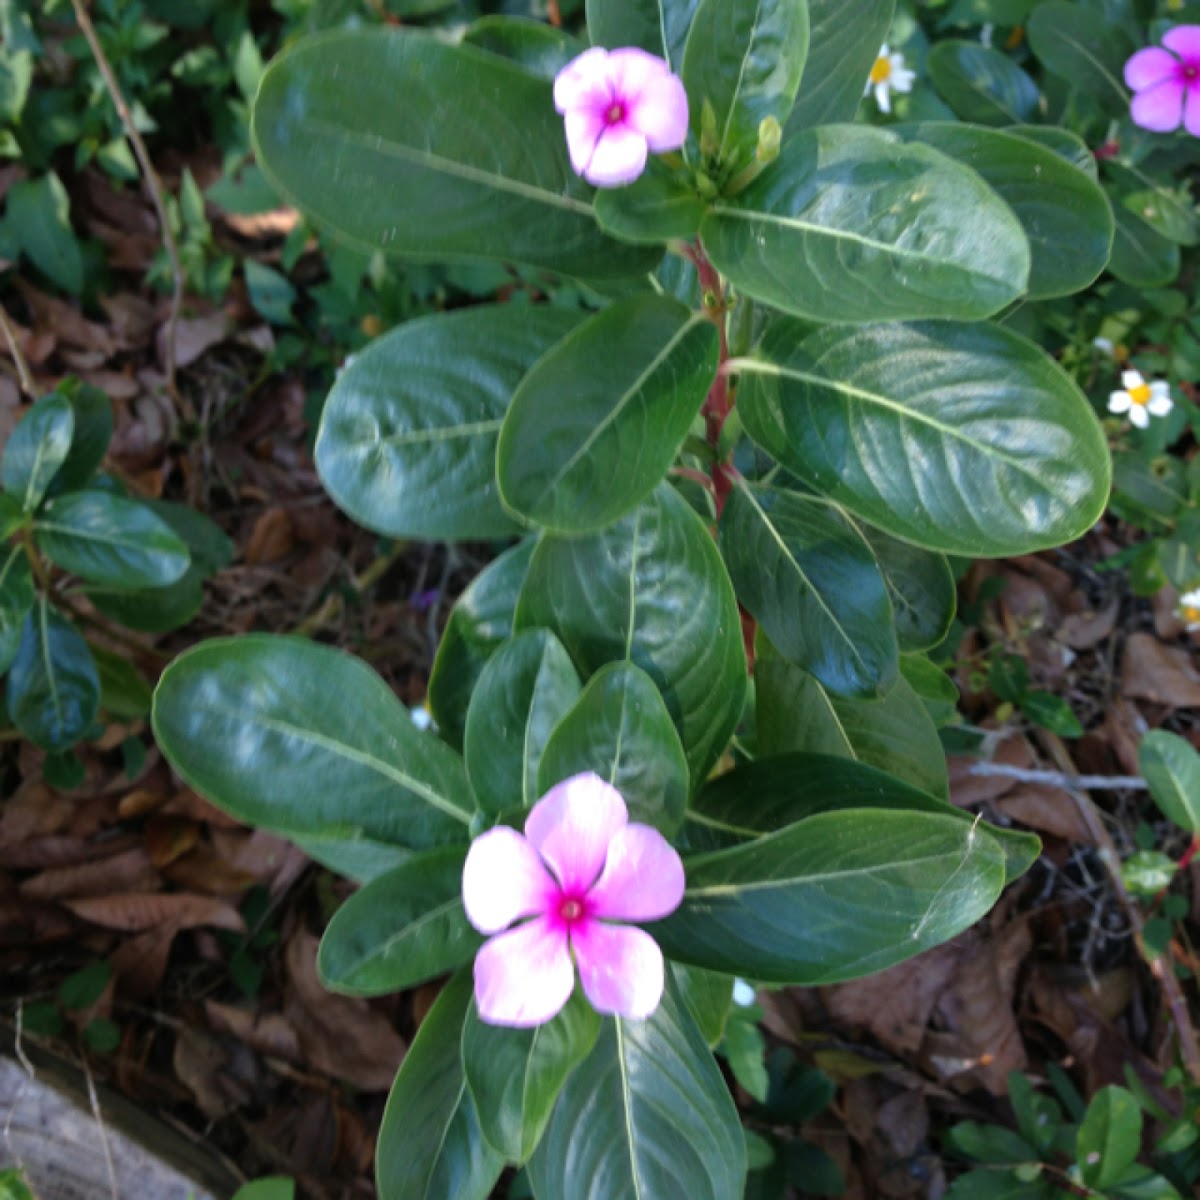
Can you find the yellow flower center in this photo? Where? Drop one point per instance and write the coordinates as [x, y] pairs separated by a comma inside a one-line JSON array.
[[1140, 394], [881, 72], [1191, 613]]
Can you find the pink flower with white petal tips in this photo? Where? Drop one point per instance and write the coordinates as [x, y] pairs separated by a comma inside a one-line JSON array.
[[580, 866], [619, 105], [1167, 85]]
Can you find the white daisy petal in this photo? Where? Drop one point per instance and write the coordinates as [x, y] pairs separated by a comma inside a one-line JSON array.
[[1120, 402], [1138, 416], [882, 98], [1159, 406], [1132, 379]]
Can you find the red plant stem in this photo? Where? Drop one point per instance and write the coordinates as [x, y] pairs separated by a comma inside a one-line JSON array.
[[1190, 853], [719, 402]]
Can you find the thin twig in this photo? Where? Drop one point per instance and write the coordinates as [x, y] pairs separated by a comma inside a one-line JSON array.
[[23, 373], [1060, 779], [153, 186], [333, 604], [108, 1159], [1161, 965]]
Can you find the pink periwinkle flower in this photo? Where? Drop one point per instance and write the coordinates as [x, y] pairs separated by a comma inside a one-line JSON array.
[[617, 106], [1166, 83], [580, 866]]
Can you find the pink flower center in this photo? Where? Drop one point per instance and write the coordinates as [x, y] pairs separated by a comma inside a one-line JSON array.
[[571, 910], [1189, 72], [615, 113]]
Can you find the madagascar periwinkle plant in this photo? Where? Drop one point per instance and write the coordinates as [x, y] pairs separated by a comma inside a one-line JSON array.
[[81, 561], [683, 728]]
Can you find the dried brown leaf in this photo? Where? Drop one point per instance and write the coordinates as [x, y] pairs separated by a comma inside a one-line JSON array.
[[271, 1034], [1163, 674], [342, 1036], [133, 911], [127, 872], [895, 1005], [1047, 810], [271, 539]]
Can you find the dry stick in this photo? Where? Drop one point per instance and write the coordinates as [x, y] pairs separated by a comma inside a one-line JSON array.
[[334, 603], [153, 187], [1059, 779], [23, 372], [1160, 965]]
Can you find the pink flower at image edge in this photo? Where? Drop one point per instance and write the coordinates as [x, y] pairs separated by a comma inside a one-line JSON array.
[[618, 106], [1166, 83], [580, 866]]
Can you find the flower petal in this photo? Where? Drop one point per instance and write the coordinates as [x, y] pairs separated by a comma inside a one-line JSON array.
[[1191, 111], [571, 826], [1150, 66], [1183, 40], [655, 100], [1138, 416], [1132, 379], [882, 98], [584, 129], [1159, 108], [1119, 402], [621, 968], [583, 82], [504, 879], [1159, 406], [620, 157], [642, 880], [524, 977]]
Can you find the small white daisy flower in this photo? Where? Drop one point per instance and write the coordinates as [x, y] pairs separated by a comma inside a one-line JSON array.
[[1188, 611], [889, 74], [985, 33], [1141, 400]]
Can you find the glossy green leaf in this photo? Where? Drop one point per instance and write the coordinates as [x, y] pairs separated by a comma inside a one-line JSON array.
[[353, 126], [107, 539], [621, 729], [1140, 256], [769, 794], [540, 48], [402, 928], [650, 590], [1089, 54], [1109, 1138], [1070, 147], [407, 444], [16, 599], [935, 689], [961, 438], [659, 26], [430, 1145], [659, 205], [12, 515], [523, 692], [844, 41], [1065, 214], [53, 688], [743, 63], [810, 580], [93, 430], [124, 694], [515, 1075], [169, 607], [852, 224], [920, 585], [352, 854], [1171, 767], [981, 84], [36, 449], [261, 726], [1156, 200], [38, 216], [834, 897], [895, 734], [636, 374], [708, 996], [481, 619], [646, 1114]]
